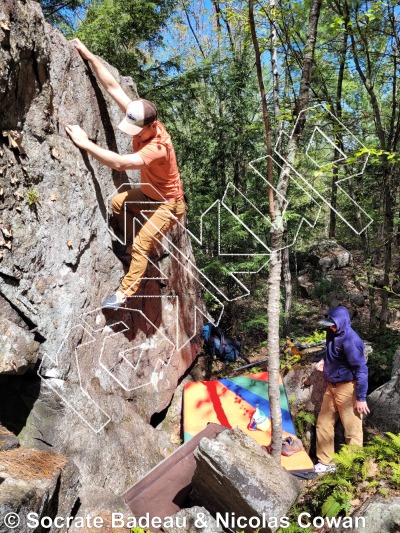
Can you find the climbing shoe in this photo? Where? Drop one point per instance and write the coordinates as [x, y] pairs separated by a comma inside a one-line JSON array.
[[291, 446], [320, 468], [114, 301]]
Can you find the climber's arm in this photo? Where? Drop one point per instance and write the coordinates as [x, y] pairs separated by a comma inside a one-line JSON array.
[[105, 77], [106, 157]]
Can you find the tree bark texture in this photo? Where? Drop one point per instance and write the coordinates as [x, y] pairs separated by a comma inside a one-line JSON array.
[[277, 232]]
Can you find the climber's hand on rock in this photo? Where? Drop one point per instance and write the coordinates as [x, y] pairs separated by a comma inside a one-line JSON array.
[[77, 134], [320, 365], [85, 53]]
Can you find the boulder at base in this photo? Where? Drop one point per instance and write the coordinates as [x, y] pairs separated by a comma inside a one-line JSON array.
[[379, 514], [325, 255], [38, 482], [235, 477], [384, 402], [193, 520]]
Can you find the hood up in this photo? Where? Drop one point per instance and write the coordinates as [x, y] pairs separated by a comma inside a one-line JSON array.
[[340, 315]]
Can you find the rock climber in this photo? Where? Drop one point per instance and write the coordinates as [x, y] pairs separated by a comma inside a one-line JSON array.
[[160, 198], [345, 370]]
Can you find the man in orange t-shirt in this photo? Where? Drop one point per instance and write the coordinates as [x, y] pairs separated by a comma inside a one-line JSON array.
[[160, 198]]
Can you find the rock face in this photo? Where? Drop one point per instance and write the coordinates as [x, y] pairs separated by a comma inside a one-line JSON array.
[[384, 402], [192, 520], [235, 475], [18, 348], [98, 502], [305, 388], [38, 482], [378, 514], [102, 374]]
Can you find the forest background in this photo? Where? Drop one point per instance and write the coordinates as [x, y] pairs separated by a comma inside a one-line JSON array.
[[196, 60]]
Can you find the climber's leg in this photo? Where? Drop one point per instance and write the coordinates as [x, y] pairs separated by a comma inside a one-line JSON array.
[[158, 223]]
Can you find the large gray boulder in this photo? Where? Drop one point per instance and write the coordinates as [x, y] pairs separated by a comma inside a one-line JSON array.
[[325, 255], [236, 477], [39, 482], [384, 402], [102, 375], [376, 514]]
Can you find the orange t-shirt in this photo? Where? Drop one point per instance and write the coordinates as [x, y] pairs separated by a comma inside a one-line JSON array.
[[160, 177]]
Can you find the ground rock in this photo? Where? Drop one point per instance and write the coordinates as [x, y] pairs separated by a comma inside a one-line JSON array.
[[396, 363], [305, 285], [357, 299], [384, 403], [234, 475], [33, 482], [326, 255], [381, 514], [102, 374], [196, 520], [95, 501], [305, 388]]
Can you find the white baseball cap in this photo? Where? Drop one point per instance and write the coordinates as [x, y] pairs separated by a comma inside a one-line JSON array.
[[139, 113], [327, 321]]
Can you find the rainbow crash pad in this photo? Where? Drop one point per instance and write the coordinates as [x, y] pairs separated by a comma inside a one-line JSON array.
[[232, 402]]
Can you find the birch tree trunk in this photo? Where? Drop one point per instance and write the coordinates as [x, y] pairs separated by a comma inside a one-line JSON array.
[[287, 282], [277, 229]]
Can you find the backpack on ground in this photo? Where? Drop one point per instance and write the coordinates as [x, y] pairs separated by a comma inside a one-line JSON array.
[[221, 345]]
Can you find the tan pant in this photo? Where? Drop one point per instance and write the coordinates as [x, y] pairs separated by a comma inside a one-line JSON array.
[[338, 402], [131, 204]]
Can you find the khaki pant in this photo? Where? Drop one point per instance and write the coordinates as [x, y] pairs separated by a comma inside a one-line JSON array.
[[132, 204], [338, 402]]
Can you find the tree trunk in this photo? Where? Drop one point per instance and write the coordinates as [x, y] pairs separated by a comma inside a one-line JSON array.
[[267, 128], [287, 280], [277, 228], [389, 226]]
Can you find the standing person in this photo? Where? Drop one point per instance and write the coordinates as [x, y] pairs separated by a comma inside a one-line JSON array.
[[160, 198], [346, 373]]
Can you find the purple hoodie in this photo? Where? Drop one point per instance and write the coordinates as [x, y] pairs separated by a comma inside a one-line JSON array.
[[344, 360]]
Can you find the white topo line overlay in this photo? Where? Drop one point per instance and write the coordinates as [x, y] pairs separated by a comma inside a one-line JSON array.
[[93, 414]]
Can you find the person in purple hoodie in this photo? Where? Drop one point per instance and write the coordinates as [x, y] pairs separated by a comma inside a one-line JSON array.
[[345, 370]]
